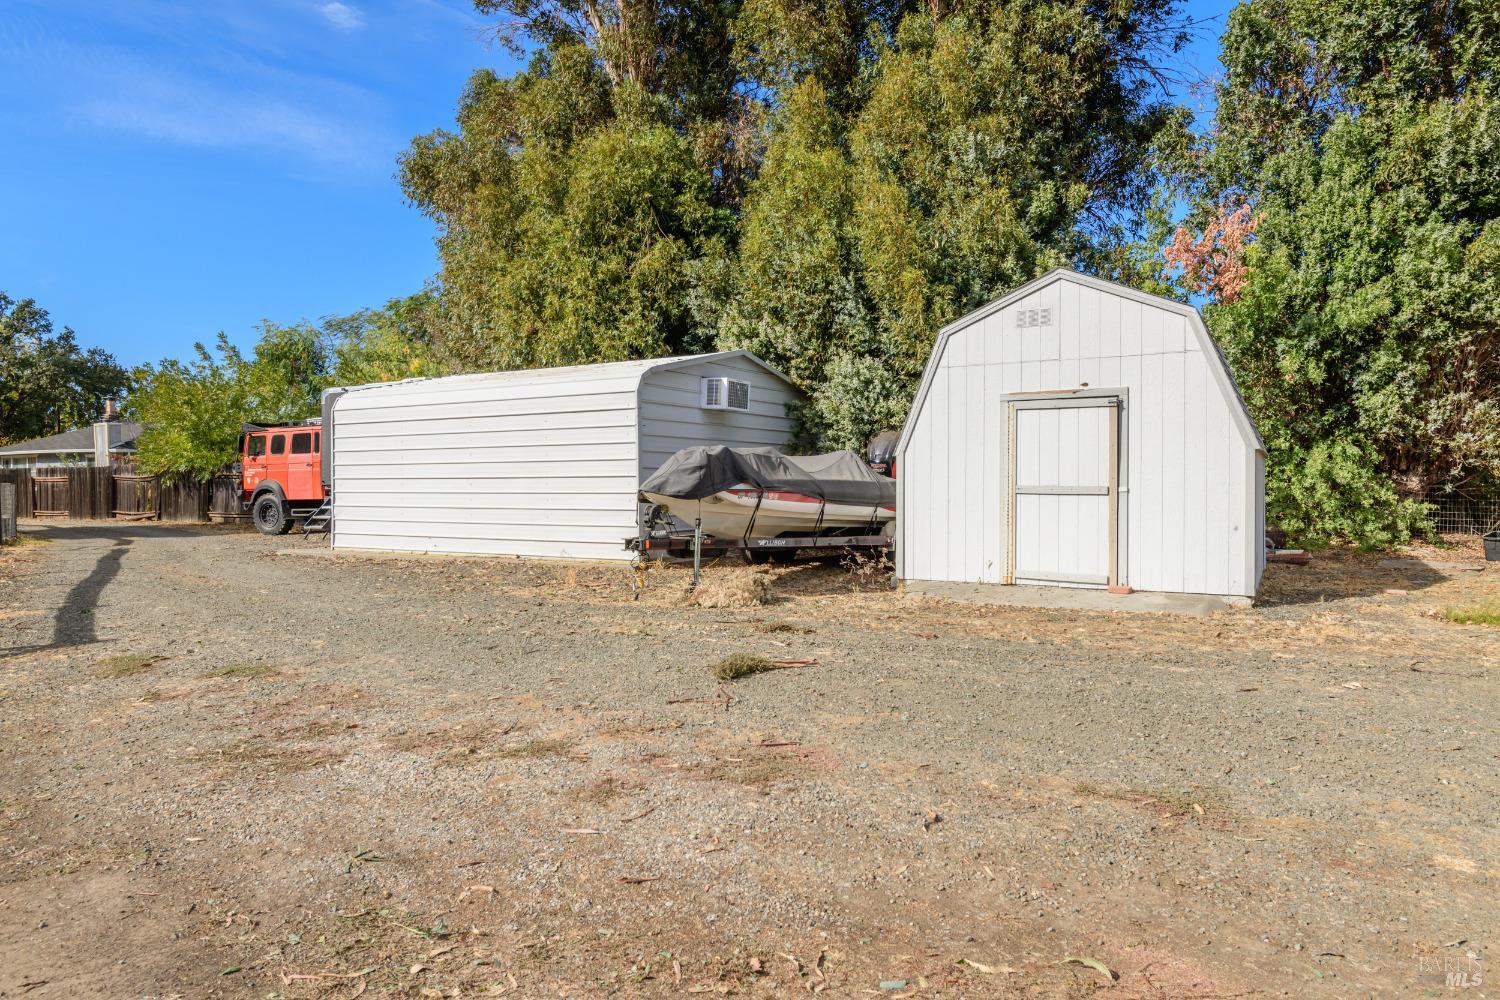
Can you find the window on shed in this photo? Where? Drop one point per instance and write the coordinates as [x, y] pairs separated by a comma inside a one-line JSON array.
[[302, 443], [278, 444]]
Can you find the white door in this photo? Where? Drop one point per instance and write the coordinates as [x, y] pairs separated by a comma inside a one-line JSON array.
[[1063, 502]]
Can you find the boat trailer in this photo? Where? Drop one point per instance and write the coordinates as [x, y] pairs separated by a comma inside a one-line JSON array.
[[658, 539]]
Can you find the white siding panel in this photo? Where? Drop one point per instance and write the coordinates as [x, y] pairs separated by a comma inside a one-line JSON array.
[[974, 430], [1195, 543], [1174, 480]]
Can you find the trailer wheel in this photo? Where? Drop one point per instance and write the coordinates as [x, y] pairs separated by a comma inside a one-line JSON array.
[[269, 515]]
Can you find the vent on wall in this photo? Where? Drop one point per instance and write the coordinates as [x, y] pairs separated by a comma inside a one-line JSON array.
[[1033, 317], [725, 394]]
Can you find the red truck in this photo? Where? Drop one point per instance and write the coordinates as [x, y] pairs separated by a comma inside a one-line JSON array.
[[281, 475]]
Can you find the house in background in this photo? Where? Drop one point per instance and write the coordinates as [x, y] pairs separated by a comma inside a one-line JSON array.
[[104, 443]]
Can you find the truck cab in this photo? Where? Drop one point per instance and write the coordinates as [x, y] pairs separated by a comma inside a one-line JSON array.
[[281, 474]]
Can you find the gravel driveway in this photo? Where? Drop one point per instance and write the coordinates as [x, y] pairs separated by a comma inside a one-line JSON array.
[[229, 769]]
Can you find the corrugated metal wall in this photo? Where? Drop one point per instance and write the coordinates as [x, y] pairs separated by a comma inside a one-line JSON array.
[[1188, 524], [543, 463], [671, 418]]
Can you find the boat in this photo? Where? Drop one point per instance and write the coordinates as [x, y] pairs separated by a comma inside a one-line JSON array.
[[762, 493]]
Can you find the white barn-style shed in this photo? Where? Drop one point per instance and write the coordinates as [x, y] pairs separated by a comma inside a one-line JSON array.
[[1080, 433], [542, 462]]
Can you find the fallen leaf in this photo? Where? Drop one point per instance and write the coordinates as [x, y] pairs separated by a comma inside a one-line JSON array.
[[434, 953], [1092, 963]]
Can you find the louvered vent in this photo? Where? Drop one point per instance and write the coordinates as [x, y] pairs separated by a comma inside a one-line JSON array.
[[725, 394], [1033, 317]]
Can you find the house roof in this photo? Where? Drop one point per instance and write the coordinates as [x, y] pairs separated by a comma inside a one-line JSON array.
[[1222, 376], [122, 435]]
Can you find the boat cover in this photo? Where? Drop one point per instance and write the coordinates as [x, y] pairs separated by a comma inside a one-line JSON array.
[[837, 477]]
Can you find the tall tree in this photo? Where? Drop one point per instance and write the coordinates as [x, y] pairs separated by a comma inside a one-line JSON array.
[[47, 382], [990, 144], [572, 215], [1347, 231], [824, 181]]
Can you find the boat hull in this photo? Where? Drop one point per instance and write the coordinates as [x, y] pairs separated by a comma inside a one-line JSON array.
[[734, 514]]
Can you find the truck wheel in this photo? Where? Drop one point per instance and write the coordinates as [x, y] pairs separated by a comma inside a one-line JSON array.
[[269, 515]]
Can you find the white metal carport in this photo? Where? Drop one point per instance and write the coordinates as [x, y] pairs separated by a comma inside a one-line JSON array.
[[542, 462]]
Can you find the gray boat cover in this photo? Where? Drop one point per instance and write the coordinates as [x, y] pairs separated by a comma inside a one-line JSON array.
[[837, 477]]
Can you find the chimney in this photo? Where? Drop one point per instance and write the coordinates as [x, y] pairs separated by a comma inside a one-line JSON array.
[[111, 412]]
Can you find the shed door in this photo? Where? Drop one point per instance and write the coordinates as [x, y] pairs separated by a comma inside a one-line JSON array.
[[1063, 501]]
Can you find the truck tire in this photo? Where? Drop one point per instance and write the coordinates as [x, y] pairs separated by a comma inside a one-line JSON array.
[[269, 515]]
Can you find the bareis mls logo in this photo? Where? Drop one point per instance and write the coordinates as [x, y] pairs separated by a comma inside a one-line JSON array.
[[1455, 972]]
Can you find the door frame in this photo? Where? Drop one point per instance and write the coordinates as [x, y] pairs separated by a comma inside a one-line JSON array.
[[1118, 489]]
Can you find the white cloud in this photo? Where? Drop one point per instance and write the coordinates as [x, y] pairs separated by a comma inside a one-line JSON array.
[[253, 106], [342, 15]]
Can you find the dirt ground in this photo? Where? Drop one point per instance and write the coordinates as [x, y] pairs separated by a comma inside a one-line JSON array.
[[226, 771]]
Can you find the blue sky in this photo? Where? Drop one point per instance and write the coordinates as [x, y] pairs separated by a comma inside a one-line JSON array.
[[173, 168], [177, 167]]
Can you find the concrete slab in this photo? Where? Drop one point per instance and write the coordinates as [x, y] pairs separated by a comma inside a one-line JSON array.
[[1074, 598]]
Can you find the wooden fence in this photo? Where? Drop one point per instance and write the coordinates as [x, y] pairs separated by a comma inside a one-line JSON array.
[[88, 493]]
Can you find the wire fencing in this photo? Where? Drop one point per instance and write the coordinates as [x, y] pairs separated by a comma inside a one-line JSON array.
[[1465, 513]]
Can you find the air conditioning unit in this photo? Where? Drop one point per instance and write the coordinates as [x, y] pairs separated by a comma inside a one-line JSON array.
[[725, 394]]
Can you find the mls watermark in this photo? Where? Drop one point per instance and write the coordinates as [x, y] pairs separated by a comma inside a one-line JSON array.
[[1455, 972]]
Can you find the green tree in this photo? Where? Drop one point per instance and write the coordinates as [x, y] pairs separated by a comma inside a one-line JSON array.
[[48, 383], [1347, 229], [825, 182], [193, 410], [383, 345], [984, 151], [571, 215]]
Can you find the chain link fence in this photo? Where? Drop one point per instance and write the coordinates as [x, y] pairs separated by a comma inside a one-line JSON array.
[[1460, 513]]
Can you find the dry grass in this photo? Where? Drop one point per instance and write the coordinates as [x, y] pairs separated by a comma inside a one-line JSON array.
[[535, 749], [601, 792], [1168, 803], [740, 665], [128, 665], [276, 756], [727, 589], [760, 771], [246, 671], [778, 626]]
